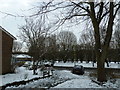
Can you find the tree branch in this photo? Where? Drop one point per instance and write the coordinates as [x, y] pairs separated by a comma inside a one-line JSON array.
[[81, 7], [117, 10]]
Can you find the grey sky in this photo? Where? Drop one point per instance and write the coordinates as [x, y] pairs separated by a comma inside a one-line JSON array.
[[20, 7], [14, 7]]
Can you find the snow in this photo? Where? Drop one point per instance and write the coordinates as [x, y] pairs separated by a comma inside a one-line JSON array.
[[23, 56], [84, 64], [60, 78], [21, 74], [84, 81], [65, 79], [110, 83]]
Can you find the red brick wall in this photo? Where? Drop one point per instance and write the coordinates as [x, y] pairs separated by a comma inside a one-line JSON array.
[[7, 43]]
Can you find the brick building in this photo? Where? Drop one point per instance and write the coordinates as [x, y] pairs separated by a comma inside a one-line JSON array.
[[6, 44]]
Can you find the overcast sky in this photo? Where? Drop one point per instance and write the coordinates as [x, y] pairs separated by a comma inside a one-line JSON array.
[[19, 7], [14, 7]]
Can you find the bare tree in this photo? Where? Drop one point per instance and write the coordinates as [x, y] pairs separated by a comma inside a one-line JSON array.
[[117, 31], [100, 13], [51, 47], [67, 41], [87, 40], [17, 46], [34, 33], [117, 38]]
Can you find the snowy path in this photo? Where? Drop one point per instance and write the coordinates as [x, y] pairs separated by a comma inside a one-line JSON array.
[[86, 82], [65, 79], [81, 82]]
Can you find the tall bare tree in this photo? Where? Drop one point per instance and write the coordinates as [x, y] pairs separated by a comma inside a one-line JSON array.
[[100, 13], [67, 41], [117, 31], [17, 46], [34, 33]]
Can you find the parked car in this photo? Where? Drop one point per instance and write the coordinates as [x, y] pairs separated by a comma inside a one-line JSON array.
[[78, 69]]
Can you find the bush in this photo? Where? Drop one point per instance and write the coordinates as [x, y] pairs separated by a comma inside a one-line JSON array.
[[20, 64]]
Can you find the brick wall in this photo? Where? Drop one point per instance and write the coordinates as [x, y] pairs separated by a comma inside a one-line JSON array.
[[0, 52], [7, 43]]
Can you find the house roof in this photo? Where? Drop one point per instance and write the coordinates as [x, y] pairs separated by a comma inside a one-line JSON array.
[[23, 56], [7, 33]]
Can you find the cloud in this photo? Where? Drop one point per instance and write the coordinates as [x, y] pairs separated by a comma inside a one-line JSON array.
[[16, 7], [13, 4]]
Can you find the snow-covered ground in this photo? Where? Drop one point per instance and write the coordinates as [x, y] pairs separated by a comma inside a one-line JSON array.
[[21, 74], [84, 64], [85, 82], [65, 79], [60, 78], [81, 82]]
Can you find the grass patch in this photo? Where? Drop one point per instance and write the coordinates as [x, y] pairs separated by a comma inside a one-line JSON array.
[[93, 75], [114, 76]]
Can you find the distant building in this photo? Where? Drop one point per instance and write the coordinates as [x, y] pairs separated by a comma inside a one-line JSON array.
[[6, 44], [23, 58]]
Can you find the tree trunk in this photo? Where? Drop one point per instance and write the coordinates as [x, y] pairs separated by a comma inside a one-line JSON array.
[[101, 68], [101, 52], [101, 75], [107, 62], [100, 60], [34, 67], [34, 70]]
